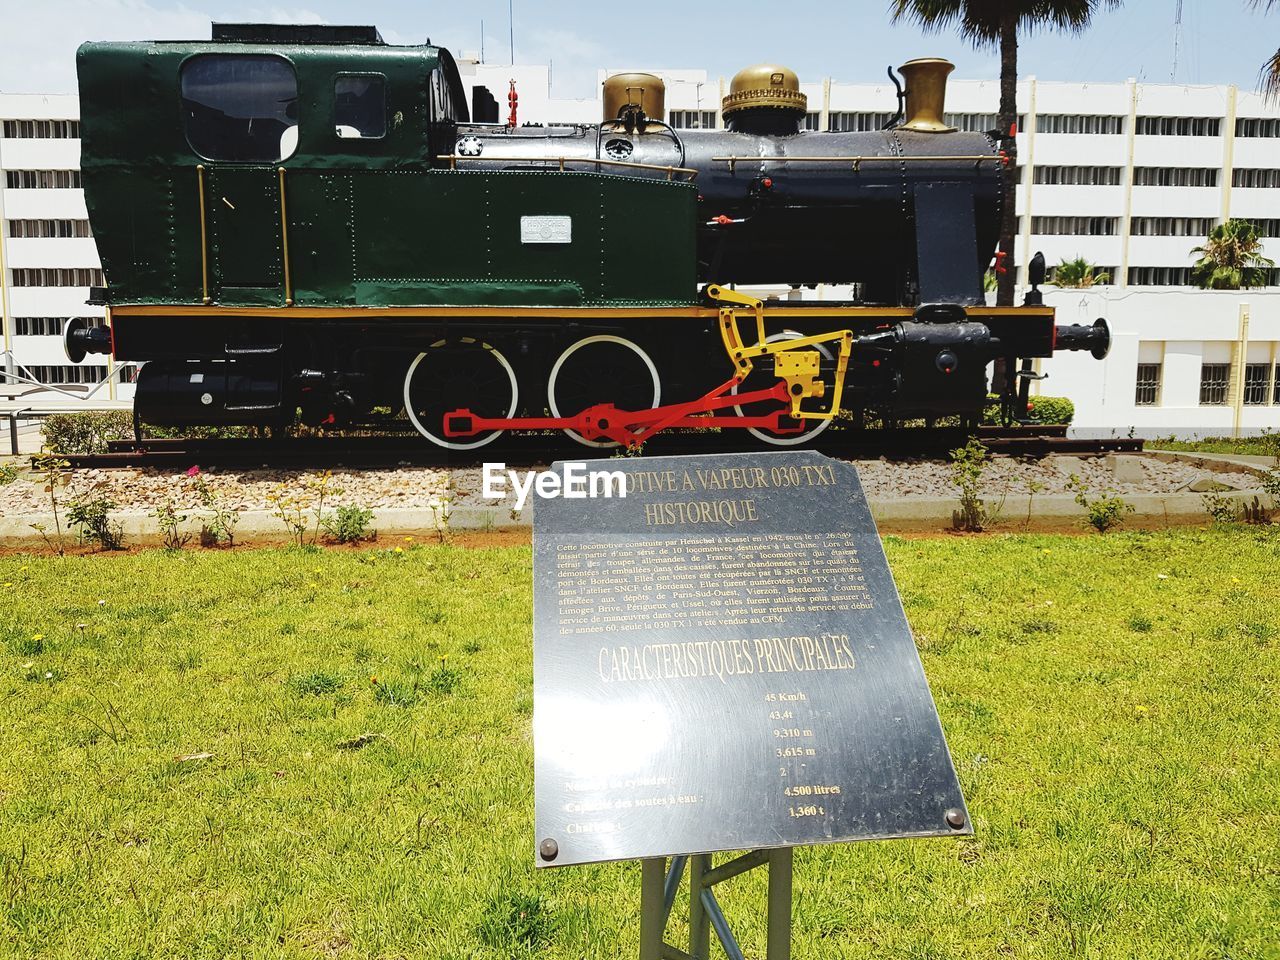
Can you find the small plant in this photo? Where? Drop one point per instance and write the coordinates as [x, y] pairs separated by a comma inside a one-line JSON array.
[[444, 679], [220, 526], [170, 523], [1140, 623], [967, 466], [349, 524], [442, 512], [92, 520], [300, 507], [1220, 509], [9, 472], [1104, 513], [52, 469], [1033, 487]]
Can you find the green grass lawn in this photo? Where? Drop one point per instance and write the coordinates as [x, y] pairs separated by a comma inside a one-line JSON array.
[[1265, 445], [1110, 703]]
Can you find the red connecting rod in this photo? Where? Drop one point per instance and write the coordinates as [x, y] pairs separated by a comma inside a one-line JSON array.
[[604, 421]]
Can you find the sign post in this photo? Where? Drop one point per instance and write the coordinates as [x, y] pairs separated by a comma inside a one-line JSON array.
[[722, 663]]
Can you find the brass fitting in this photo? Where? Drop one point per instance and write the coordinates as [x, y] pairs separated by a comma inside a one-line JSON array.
[[926, 81]]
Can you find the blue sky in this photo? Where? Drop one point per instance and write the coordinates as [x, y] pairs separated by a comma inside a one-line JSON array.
[[1222, 40]]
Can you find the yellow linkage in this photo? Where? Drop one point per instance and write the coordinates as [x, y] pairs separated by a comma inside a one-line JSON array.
[[792, 362]]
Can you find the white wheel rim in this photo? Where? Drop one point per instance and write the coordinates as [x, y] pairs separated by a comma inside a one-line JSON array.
[[791, 439], [601, 338], [441, 441]]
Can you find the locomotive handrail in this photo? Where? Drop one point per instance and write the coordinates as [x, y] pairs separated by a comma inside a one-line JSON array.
[[204, 236], [858, 161], [453, 159]]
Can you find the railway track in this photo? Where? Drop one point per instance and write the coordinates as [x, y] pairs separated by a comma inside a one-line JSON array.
[[531, 450]]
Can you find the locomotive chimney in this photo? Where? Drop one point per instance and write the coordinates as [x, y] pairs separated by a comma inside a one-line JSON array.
[[764, 99], [926, 95], [633, 98]]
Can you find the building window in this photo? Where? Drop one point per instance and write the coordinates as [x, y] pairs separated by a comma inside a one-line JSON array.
[[1266, 227], [360, 106], [49, 228], [693, 119], [812, 121], [1070, 123], [1171, 226], [1102, 275], [1159, 276], [240, 107], [62, 375], [1175, 177], [1074, 226], [42, 179], [1257, 383], [1258, 127], [840, 121], [57, 277], [1080, 176], [1148, 392], [42, 129], [1214, 380], [1244, 177], [48, 326], [1178, 126]]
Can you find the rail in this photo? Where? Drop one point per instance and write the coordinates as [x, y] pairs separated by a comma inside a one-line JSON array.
[[365, 452], [671, 172]]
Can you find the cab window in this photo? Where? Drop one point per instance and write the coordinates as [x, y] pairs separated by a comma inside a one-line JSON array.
[[360, 106], [240, 107]]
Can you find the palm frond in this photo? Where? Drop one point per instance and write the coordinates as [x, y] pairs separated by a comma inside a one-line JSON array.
[[1270, 80], [980, 20]]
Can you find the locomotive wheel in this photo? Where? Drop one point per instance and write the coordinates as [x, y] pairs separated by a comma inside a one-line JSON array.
[[758, 380], [454, 374], [602, 369]]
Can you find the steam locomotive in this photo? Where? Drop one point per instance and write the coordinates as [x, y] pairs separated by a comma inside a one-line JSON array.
[[307, 221]]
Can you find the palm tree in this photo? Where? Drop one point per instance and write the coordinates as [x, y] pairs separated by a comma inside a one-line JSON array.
[[1231, 258], [1270, 69], [996, 23], [1078, 273]]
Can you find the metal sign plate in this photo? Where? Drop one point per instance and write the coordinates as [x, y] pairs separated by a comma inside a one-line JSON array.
[[722, 662], [546, 229]]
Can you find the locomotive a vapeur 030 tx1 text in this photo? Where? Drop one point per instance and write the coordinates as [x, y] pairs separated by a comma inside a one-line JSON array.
[[307, 219]]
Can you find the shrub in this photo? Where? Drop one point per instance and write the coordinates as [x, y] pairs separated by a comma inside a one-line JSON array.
[[967, 466], [170, 521], [92, 519], [1055, 410], [1220, 509], [1104, 513], [86, 431], [349, 524]]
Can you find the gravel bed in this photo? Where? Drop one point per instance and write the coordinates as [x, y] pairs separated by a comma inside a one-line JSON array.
[[139, 490]]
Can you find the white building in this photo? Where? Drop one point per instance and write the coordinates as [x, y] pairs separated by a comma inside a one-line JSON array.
[[48, 260], [1128, 176]]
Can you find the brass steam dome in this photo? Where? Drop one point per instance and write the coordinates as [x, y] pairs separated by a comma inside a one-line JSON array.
[[641, 93], [765, 85]]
